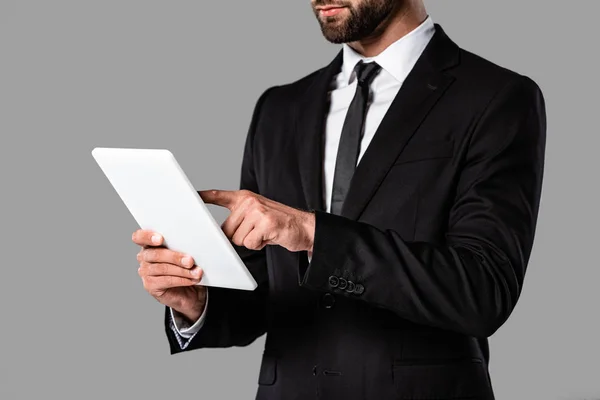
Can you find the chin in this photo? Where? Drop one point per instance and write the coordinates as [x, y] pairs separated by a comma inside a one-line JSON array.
[[333, 31], [334, 38]]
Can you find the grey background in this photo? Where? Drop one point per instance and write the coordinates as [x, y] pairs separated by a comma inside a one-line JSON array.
[[184, 75]]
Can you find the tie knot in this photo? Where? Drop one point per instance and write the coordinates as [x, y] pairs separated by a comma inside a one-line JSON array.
[[366, 72]]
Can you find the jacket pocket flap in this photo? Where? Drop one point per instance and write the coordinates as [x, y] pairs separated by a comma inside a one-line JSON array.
[[268, 371], [426, 150], [453, 380]]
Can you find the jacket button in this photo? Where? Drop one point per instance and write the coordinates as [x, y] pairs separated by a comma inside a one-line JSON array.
[[350, 287], [359, 289], [343, 284], [333, 281], [328, 300]]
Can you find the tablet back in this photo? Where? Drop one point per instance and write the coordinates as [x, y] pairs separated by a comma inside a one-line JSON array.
[[161, 198]]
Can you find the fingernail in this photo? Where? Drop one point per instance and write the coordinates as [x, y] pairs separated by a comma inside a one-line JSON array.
[[196, 271], [187, 260], [156, 239]]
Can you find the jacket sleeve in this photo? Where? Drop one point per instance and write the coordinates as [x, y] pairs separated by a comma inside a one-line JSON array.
[[469, 284], [235, 317]]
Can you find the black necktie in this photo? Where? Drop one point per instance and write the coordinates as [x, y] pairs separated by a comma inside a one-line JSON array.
[[352, 132]]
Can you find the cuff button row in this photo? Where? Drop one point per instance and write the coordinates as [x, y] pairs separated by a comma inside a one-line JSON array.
[[343, 284]]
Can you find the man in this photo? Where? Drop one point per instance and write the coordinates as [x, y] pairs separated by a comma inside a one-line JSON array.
[[387, 210]]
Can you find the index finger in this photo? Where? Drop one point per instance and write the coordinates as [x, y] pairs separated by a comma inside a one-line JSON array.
[[145, 237], [223, 198]]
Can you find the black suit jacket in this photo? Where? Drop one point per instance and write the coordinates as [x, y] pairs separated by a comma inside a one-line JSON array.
[[429, 256]]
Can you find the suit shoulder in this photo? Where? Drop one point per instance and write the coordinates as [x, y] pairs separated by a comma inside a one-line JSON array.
[[490, 75], [290, 92], [485, 80]]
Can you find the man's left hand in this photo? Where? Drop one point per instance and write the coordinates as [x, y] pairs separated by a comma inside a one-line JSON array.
[[256, 221]]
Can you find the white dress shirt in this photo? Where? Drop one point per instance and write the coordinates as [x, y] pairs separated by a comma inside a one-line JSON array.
[[396, 61]]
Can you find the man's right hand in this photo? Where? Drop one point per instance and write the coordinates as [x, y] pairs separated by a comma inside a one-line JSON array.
[[170, 277]]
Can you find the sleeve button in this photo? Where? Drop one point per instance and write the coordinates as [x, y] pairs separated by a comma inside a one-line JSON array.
[[359, 289], [351, 287], [333, 281]]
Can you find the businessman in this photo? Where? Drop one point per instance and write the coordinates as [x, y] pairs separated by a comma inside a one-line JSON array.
[[387, 210]]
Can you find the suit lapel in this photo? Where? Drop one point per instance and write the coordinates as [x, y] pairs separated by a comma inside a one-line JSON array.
[[310, 118], [423, 87]]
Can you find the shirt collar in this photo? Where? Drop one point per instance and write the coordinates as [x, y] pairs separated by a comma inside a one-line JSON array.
[[398, 58]]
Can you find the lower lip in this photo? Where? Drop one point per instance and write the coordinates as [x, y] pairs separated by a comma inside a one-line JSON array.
[[330, 12]]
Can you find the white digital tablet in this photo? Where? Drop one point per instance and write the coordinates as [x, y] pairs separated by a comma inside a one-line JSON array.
[[161, 198]]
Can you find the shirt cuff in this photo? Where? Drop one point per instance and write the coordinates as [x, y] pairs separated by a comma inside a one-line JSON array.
[[182, 327]]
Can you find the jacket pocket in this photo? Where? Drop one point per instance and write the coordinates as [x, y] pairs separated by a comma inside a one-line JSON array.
[[453, 379], [426, 150], [268, 370]]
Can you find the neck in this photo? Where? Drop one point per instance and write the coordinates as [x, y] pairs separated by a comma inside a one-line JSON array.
[[401, 22]]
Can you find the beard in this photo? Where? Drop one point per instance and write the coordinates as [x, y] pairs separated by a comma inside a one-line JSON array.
[[355, 22]]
